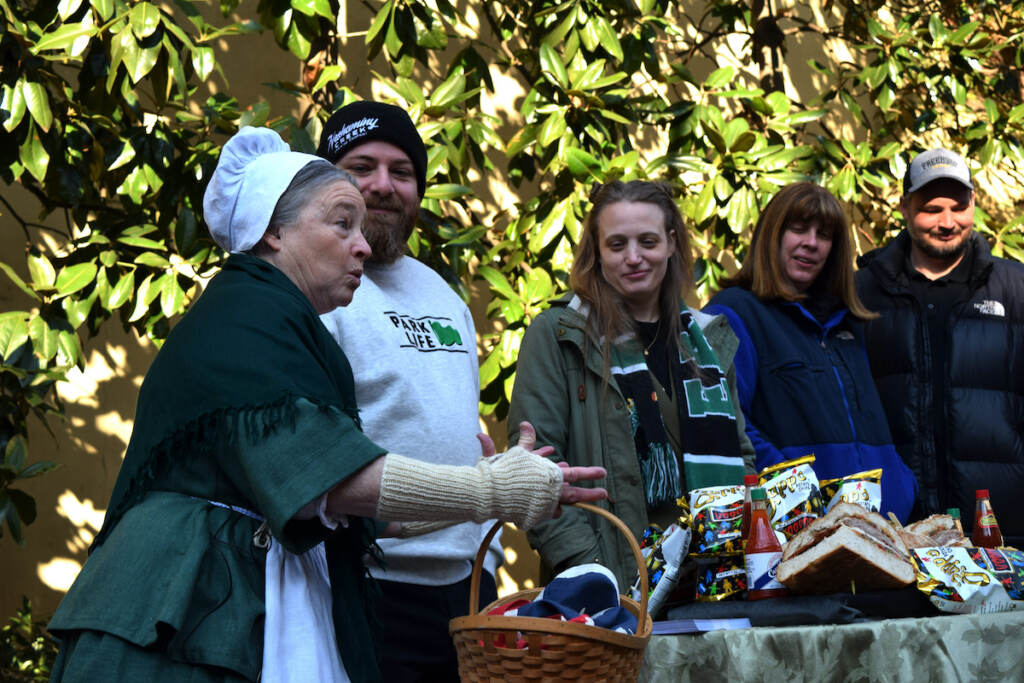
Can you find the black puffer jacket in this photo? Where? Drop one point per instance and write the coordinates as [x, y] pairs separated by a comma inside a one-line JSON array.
[[984, 445]]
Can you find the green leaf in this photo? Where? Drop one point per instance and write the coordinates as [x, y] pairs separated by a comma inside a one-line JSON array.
[[144, 19], [938, 31], [538, 286], [446, 191], [719, 78], [75, 277], [65, 8], [298, 44], [992, 109], [497, 280], [9, 514], [330, 74], [16, 452], [580, 162], [126, 155], [778, 102], [37, 468], [65, 37], [34, 156], [103, 8], [447, 92], [172, 296], [144, 62], [304, 6], [18, 282], [203, 62], [24, 504], [144, 295], [958, 36], [13, 333], [69, 350], [41, 271], [552, 65], [38, 103], [148, 258], [13, 105], [551, 129], [44, 338], [550, 228], [609, 41], [121, 292], [379, 21]]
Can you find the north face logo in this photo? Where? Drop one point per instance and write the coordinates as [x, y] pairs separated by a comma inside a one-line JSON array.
[[989, 307]]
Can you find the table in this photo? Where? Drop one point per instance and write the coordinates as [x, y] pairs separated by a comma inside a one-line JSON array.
[[965, 647]]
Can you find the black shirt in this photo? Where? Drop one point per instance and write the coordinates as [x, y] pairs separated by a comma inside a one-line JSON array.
[[937, 299]]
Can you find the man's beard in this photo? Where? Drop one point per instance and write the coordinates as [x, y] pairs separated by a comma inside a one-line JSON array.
[[388, 234], [948, 253]]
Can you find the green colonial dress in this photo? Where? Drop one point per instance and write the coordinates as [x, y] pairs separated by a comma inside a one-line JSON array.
[[251, 404]]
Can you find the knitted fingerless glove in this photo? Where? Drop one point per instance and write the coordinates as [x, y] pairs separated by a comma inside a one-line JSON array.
[[514, 486]]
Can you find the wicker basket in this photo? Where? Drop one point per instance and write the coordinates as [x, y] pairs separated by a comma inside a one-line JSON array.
[[556, 650]]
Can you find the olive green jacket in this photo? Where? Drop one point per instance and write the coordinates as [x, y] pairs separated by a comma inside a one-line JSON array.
[[559, 389]]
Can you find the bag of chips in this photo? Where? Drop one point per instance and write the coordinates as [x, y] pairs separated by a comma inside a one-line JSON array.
[[717, 517], [862, 488], [968, 580], [794, 499]]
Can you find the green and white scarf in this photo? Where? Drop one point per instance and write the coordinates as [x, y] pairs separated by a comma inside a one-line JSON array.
[[707, 419]]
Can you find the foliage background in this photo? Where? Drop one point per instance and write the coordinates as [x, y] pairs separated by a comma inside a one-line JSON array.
[[112, 114]]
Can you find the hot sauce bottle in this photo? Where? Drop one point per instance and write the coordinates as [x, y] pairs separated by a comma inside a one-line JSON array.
[[986, 532], [749, 482], [762, 553]]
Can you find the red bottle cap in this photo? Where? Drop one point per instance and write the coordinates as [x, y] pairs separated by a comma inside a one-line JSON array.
[[980, 493], [750, 480]]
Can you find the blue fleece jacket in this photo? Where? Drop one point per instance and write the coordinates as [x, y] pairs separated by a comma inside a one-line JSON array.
[[806, 387]]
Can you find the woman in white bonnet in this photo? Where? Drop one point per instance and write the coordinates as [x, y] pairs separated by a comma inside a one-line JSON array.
[[233, 545]]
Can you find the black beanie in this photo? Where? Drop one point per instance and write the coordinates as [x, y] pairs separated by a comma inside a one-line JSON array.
[[363, 121]]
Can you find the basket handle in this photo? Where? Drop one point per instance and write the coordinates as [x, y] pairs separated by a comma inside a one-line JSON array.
[[478, 563]]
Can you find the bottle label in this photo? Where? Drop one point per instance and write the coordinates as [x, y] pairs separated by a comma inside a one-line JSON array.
[[987, 519], [761, 568]]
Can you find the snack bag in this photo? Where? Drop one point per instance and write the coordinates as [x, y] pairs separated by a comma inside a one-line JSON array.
[[664, 554], [968, 580], [794, 499], [717, 517], [721, 578], [862, 488]]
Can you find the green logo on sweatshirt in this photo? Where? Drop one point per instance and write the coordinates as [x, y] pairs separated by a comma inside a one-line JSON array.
[[427, 333], [446, 334]]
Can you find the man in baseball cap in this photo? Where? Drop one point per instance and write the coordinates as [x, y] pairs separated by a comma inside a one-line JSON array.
[[947, 350], [412, 346]]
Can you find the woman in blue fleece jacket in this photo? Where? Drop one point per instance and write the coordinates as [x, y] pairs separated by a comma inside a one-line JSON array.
[[804, 382]]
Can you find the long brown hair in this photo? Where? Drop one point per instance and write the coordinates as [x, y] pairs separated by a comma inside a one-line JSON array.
[[762, 272], [609, 317]]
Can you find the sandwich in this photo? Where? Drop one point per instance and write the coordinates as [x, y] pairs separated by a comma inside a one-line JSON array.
[[849, 544], [934, 531]]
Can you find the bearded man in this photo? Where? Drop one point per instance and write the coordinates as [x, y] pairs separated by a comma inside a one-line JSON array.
[[412, 346], [947, 352]]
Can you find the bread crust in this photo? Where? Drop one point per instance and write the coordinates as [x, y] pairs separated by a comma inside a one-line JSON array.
[[845, 557]]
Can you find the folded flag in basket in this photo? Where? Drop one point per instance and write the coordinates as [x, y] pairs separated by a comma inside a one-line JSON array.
[[587, 594]]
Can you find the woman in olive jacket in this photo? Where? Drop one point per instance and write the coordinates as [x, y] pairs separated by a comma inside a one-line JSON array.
[[601, 372]]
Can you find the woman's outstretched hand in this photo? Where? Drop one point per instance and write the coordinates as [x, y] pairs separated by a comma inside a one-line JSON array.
[[570, 475]]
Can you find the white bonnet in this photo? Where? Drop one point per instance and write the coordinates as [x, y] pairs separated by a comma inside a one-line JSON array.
[[255, 168]]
